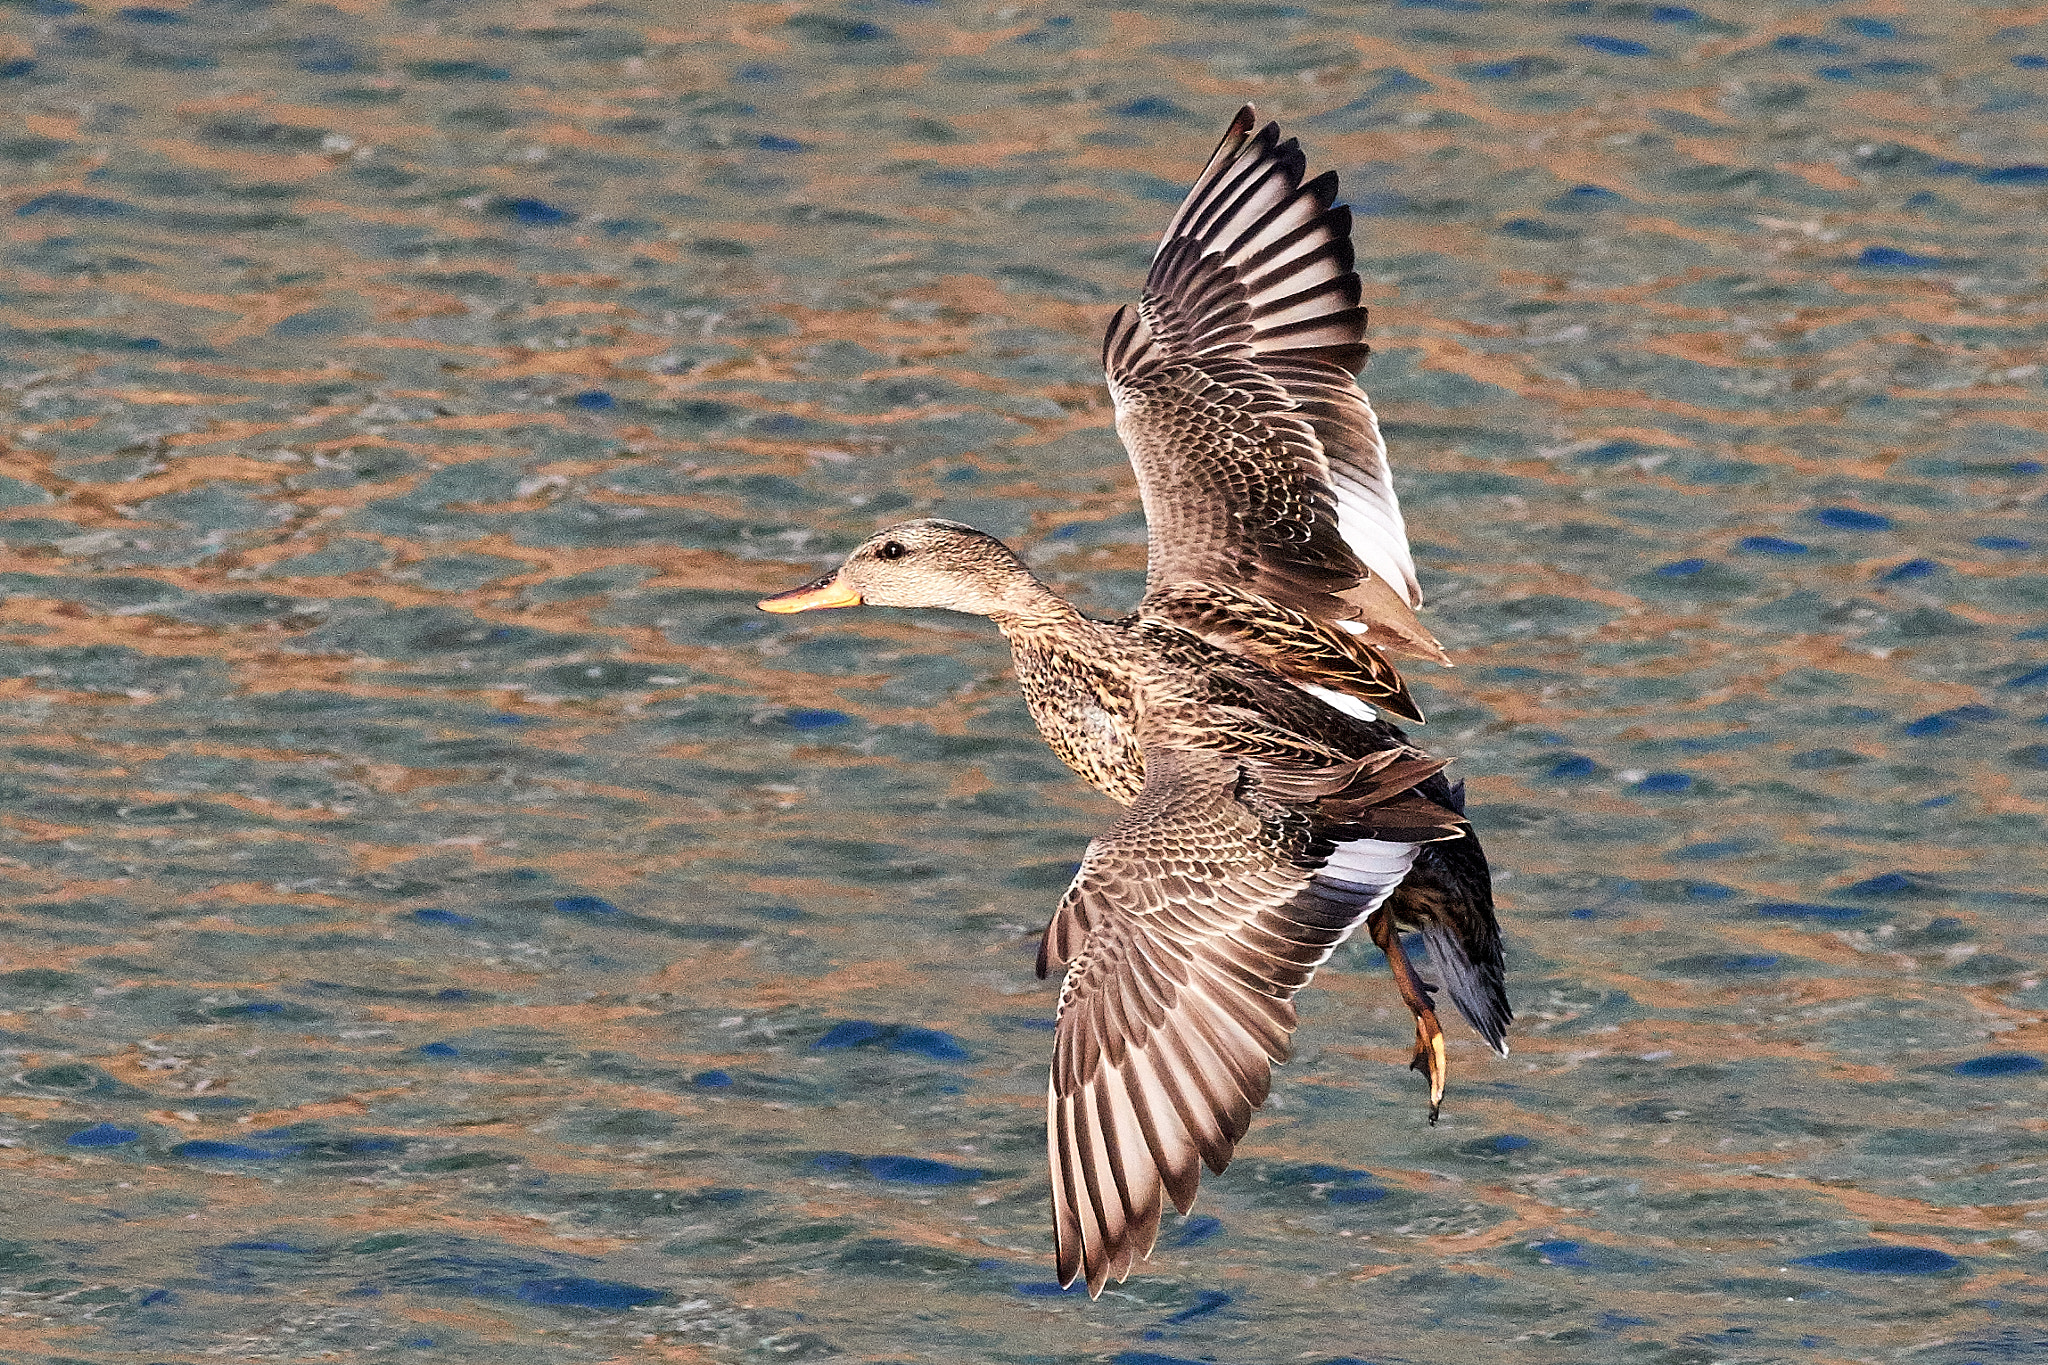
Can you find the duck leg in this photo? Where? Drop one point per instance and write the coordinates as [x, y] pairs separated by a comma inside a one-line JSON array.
[[1429, 1035]]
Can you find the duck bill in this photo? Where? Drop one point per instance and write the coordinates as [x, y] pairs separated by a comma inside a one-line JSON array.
[[823, 592]]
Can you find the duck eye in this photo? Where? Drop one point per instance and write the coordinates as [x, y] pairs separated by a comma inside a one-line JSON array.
[[892, 549]]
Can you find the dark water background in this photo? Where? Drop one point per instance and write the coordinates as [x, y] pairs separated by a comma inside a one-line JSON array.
[[444, 921]]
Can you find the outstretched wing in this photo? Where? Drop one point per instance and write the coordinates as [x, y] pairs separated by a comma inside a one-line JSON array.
[[1258, 457], [1188, 930]]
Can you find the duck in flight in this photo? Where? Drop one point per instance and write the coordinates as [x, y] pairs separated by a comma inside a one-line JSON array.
[[1269, 810]]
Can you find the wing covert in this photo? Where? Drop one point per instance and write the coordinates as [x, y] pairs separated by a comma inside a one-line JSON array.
[[1259, 459], [1187, 931]]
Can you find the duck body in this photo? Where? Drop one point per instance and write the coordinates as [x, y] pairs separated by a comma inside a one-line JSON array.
[[1269, 811], [1080, 682], [1094, 687]]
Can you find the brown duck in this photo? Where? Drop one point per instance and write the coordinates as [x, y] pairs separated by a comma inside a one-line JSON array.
[[1269, 811]]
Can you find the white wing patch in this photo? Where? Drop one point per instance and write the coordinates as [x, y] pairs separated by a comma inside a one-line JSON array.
[[1350, 706], [1369, 514], [1374, 865]]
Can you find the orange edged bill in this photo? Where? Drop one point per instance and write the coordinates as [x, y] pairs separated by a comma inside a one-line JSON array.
[[822, 592]]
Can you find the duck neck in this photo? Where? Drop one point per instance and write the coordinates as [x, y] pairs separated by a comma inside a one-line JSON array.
[[1028, 605]]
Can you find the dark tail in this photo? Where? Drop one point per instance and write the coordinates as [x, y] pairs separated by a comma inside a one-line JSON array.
[[1448, 896]]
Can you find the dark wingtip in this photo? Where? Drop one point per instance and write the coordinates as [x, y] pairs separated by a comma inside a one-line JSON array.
[[1402, 704], [1324, 188]]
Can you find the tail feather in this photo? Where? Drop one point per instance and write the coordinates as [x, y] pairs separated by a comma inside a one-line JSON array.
[[1448, 896]]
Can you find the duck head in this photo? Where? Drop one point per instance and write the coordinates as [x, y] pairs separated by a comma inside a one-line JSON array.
[[925, 563]]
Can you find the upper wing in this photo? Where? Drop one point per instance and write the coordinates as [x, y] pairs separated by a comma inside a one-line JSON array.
[[1189, 928], [1258, 457]]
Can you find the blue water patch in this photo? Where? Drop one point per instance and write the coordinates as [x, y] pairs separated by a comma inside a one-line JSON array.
[[2030, 61], [1514, 69], [1683, 568], [1909, 571], [2015, 175], [585, 905], [1894, 884], [928, 1042], [1807, 44], [439, 1050], [1536, 230], [73, 205], [205, 1149], [773, 142], [711, 1079], [594, 400], [1562, 1253], [1865, 27], [574, 1291], [1712, 849], [1770, 545], [1800, 910], [851, 1033], [1573, 765], [805, 719], [1665, 782], [916, 1170], [536, 212], [1206, 1302], [107, 1135], [898, 1170], [925, 1042], [1892, 258], [1582, 198], [1151, 107], [1883, 1260], [431, 915], [1996, 1064], [1612, 46], [1949, 721], [1195, 1231], [1048, 1289], [2033, 677], [1150, 1358], [1850, 519]]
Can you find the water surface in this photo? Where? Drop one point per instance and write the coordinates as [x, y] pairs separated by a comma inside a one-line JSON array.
[[444, 920]]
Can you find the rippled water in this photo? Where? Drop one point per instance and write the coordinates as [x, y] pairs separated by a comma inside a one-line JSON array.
[[445, 921]]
